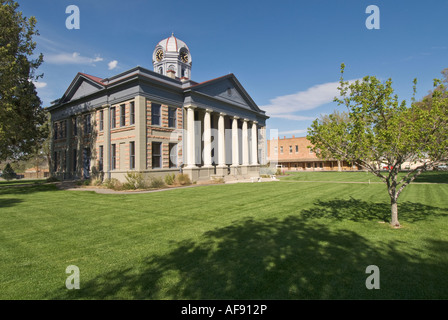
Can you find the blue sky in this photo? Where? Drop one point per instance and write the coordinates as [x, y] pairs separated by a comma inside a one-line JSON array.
[[287, 54]]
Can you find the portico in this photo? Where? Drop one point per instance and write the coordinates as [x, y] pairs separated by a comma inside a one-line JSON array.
[[216, 149]]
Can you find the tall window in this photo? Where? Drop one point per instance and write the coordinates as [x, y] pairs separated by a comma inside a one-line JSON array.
[[281, 149], [114, 157], [75, 160], [173, 155], [112, 117], [122, 115], [155, 114], [297, 148], [87, 124], [75, 126], [172, 117], [132, 155], [101, 158], [55, 164], [132, 113], [55, 130], [101, 120], [290, 149], [64, 161], [156, 154], [64, 129]]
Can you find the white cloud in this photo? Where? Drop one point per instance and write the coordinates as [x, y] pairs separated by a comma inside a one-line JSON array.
[[39, 85], [292, 117], [112, 65], [312, 98], [299, 131], [71, 58]]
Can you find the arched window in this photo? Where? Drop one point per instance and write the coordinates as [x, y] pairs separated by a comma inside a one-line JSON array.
[[161, 70]]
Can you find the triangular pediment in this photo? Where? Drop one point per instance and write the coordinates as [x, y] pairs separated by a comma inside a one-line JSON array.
[[81, 86], [227, 89]]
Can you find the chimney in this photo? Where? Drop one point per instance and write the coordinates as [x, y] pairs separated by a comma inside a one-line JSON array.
[[171, 74]]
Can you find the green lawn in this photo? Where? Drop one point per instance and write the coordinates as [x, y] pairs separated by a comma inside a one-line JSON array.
[[4, 183], [273, 240], [361, 176]]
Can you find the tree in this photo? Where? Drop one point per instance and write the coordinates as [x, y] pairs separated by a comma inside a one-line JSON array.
[[21, 114], [8, 172], [378, 129]]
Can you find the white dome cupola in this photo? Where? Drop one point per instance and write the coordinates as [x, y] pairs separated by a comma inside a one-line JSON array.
[[171, 57]]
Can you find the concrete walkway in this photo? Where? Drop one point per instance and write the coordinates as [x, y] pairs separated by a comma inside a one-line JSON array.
[[72, 186]]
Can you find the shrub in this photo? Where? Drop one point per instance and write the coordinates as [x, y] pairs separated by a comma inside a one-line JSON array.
[[8, 172], [183, 179], [170, 178], [113, 184], [156, 183], [52, 179], [135, 180], [96, 182]]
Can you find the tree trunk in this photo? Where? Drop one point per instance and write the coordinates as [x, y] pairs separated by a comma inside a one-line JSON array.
[[394, 211]]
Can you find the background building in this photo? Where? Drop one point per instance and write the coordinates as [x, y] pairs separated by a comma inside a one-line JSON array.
[[157, 122], [294, 154]]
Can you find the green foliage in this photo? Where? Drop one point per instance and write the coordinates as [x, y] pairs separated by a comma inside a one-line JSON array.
[[21, 114], [156, 183], [170, 178], [135, 180], [379, 129], [8, 172], [52, 179]]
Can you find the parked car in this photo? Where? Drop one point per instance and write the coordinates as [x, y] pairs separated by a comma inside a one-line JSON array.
[[388, 167], [442, 167]]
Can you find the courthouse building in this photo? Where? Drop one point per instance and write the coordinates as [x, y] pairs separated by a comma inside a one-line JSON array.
[[295, 154], [157, 122]]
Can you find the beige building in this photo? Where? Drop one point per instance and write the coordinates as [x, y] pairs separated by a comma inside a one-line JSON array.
[[157, 122]]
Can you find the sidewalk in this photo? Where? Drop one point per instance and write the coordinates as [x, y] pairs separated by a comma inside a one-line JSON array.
[[72, 186]]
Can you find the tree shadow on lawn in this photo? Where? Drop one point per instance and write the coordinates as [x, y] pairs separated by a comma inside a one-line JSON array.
[[9, 202], [27, 189], [433, 177], [291, 258], [359, 210]]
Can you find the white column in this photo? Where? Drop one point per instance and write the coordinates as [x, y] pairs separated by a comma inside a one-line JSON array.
[[140, 133], [221, 141], [106, 150], [191, 163], [207, 139], [235, 145], [254, 143], [245, 139]]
